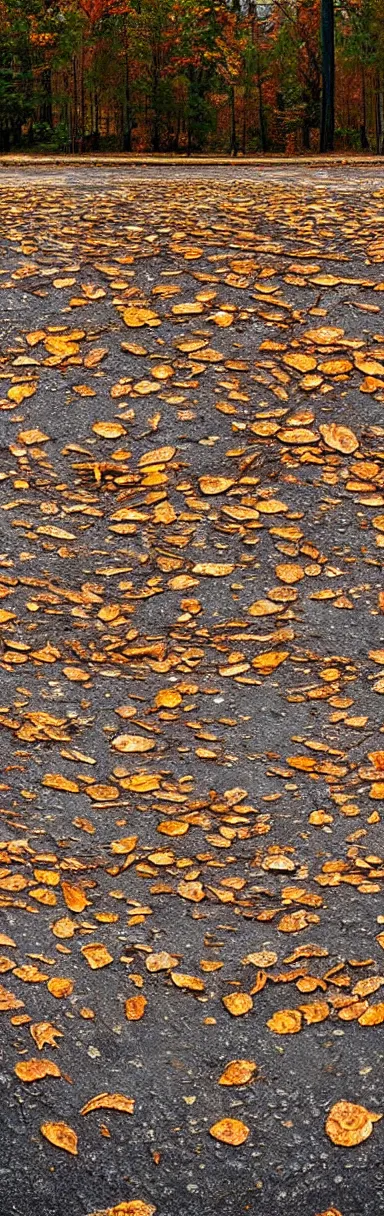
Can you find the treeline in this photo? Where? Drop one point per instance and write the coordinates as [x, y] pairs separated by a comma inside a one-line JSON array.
[[191, 75]]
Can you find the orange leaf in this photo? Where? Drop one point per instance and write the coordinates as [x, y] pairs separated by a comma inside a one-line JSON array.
[[109, 1102], [135, 1008], [44, 1032], [61, 1136], [35, 1070], [187, 981], [285, 1021], [96, 955], [348, 1124], [74, 897], [230, 1131], [238, 1003], [238, 1072]]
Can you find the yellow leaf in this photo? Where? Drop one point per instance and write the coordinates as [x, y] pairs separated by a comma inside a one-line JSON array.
[[214, 569], [173, 827], [134, 1207], [191, 890], [326, 336], [74, 897], [8, 1000], [157, 456], [33, 436], [134, 318], [315, 1011], [19, 393], [44, 1032], [373, 1016], [289, 572], [266, 663], [102, 793], [301, 363]]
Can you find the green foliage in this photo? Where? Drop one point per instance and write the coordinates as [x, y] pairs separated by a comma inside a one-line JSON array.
[[182, 74]]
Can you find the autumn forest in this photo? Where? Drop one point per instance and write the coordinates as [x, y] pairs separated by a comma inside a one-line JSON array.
[[191, 76]]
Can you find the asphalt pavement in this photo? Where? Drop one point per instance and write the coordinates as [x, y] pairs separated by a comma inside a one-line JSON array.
[[192, 659]]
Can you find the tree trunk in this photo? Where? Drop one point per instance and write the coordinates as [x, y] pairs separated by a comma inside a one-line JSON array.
[[364, 141], [233, 139], [82, 100], [127, 133], [96, 128], [244, 130], [74, 108], [327, 130], [379, 114], [46, 105]]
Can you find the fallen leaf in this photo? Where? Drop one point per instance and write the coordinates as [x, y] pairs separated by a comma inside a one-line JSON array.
[[109, 1102], [97, 955], [61, 1136], [238, 1072], [238, 1003], [230, 1131], [35, 1070], [348, 1124], [135, 1008]]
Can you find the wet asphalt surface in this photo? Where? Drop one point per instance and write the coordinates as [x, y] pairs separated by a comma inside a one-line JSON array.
[[127, 235]]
